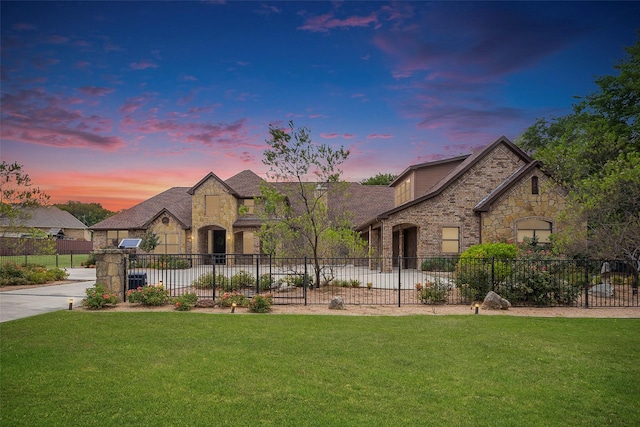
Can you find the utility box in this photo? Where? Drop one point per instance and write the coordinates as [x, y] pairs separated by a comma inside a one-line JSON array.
[[137, 280]]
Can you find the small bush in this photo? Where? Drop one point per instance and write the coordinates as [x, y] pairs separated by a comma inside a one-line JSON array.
[[13, 274], [433, 293], [229, 298], [261, 303], [149, 295], [438, 264], [297, 280], [91, 260], [99, 297], [265, 282], [185, 302], [168, 262], [242, 279], [205, 281]]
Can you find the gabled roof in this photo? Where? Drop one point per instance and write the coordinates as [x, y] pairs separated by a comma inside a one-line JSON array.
[[427, 165], [176, 201], [167, 212], [246, 184], [456, 173], [49, 217], [193, 189]]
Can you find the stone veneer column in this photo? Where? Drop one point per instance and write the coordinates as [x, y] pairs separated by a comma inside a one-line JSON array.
[[387, 248], [110, 270]]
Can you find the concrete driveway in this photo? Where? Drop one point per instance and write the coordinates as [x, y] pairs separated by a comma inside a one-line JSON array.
[[29, 302]]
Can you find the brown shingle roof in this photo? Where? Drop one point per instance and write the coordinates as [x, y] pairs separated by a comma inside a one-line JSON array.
[[49, 217], [246, 184], [176, 200]]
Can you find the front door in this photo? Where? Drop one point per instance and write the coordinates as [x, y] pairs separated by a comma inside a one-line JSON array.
[[219, 245]]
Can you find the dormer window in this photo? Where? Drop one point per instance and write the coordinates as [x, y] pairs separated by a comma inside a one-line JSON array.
[[403, 192]]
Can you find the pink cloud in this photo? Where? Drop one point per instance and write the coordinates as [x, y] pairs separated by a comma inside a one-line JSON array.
[[95, 91], [132, 105], [142, 65], [56, 39], [348, 135], [326, 22], [329, 135], [379, 136], [33, 116]]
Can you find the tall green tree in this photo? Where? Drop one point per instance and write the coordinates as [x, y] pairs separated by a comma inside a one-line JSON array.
[[379, 179], [594, 153], [88, 213], [17, 194], [297, 221]]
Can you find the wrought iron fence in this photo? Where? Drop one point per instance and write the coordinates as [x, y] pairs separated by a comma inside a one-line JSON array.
[[362, 281]]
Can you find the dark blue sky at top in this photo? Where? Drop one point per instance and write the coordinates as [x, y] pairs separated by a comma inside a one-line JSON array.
[[158, 94]]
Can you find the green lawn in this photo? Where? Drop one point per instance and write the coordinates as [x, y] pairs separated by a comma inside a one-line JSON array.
[[49, 261], [190, 369]]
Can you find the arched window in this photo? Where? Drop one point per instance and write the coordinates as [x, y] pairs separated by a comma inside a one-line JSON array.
[[534, 228], [534, 185]]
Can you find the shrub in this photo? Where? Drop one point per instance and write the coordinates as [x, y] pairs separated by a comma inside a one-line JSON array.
[[478, 264], [149, 295], [242, 279], [297, 280], [168, 262], [265, 282], [229, 298], [205, 281], [99, 297], [186, 302], [434, 293], [91, 260], [261, 303], [438, 264], [29, 274]]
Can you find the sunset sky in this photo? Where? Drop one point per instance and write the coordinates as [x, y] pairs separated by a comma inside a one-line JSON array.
[[114, 102]]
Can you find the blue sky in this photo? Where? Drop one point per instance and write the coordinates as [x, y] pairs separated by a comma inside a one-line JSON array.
[[114, 102]]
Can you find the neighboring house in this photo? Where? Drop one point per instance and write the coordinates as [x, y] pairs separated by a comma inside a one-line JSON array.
[[431, 209], [444, 207], [50, 220]]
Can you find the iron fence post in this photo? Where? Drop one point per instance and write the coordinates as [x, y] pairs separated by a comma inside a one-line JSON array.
[[493, 274], [586, 283], [304, 282], [213, 264], [399, 279], [257, 274]]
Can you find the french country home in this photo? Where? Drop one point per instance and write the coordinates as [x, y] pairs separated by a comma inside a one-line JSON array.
[[436, 208]]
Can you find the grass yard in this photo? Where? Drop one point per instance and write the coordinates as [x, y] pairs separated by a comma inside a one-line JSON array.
[[193, 369], [49, 261]]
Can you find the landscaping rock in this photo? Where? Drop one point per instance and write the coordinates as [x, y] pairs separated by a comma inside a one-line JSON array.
[[494, 301], [205, 303], [336, 303], [602, 290]]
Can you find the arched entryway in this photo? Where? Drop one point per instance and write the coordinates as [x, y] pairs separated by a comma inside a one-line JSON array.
[[213, 240], [405, 245]]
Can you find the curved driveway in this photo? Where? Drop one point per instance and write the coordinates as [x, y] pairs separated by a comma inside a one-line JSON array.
[[29, 302]]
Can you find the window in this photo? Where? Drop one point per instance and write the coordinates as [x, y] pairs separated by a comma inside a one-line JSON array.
[[114, 236], [211, 205], [534, 229], [403, 192], [450, 240], [168, 244], [534, 185], [247, 242]]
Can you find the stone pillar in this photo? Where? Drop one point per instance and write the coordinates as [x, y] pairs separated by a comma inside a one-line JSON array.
[[110, 270], [387, 248]]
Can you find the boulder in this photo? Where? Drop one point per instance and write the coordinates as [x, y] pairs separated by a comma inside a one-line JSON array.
[[336, 303], [604, 290], [494, 301]]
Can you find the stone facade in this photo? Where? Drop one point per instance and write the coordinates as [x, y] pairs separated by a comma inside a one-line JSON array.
[[500, 222], [415, 229], [110, 270]]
